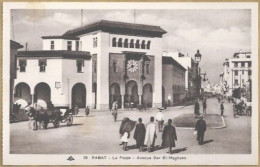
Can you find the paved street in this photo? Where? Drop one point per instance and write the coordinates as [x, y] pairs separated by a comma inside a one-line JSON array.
[[99, 134]]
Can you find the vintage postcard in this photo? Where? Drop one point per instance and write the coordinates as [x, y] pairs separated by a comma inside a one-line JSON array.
[[130, 83]]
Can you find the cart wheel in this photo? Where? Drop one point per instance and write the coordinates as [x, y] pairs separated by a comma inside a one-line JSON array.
[[45, 125], [69, 120], [56, 123]]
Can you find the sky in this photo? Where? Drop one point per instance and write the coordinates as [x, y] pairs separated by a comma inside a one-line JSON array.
[[217, 33]]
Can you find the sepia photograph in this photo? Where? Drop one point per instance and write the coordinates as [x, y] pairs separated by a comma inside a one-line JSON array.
[[130, 83]]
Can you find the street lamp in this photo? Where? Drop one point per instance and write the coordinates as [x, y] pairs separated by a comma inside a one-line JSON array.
[[198, 59], [198, 56]]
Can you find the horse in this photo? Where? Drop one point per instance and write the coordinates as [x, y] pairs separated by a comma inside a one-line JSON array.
[[42, 117]]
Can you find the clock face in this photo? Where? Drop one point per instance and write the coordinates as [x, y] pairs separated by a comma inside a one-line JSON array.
[[132, 66]]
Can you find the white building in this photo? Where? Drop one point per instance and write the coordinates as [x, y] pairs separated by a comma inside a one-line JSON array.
[[94, 65], [237, 72]]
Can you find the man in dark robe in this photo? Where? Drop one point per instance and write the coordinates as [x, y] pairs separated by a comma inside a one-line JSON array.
[[197, 108], [139, 134], [222, 108], [169, 136], [200, 128]]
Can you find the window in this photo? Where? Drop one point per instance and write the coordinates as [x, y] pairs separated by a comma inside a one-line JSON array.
[[137, 45], [115, 66], [143, 45], [243, 72], [95, 66], [120, 44], [236, 64], [132, 43], [42, 64], [77, 45], [69, 45], [147, 66], [148, 45], [236, 82], [114, 42], [243, 64], [95, 42], [236, 72], [52, 45], [249, 64], [249, 72], [80, 65], [126, 43], [242, 80], [22, 65]]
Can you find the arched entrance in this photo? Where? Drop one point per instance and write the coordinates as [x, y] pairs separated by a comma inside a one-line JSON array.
[[131, 94], [78, 95], [22, 94], [42, 94], [148, 95], [163, 95], [114, 94]]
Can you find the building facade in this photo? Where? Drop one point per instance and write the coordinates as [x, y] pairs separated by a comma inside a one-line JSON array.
[[237, 72], [173, 85], [190, 74], [95, 65]]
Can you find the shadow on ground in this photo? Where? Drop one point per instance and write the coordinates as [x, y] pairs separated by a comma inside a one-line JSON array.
[[178, 150], [207, 141]]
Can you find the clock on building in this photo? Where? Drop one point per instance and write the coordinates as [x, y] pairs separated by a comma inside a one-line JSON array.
[[132, 66]]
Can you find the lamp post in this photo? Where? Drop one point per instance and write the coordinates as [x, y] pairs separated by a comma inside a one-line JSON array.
[[198, 59]]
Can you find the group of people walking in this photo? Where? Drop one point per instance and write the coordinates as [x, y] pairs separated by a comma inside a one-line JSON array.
[[147, 135]]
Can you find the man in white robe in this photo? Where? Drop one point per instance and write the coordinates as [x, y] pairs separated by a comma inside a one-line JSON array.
[[150, 134]]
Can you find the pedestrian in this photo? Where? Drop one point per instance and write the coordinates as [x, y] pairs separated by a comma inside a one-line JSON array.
[[114, 110], [160, 119], [169, 136], [139, 134], [87, 111], [115, 105], [76, 110], [150, 135], [222, 108], [204, 106], [125, 139], [197, 108], [234, 110], [200, 128], [165, 105], [114, 113]]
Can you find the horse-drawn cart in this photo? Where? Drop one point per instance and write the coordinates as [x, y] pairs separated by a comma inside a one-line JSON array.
[[55, 116]]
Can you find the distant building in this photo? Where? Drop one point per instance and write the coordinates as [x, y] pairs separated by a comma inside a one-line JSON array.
[[237, 72], [190, 74], [206, 86], [173, 84]]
